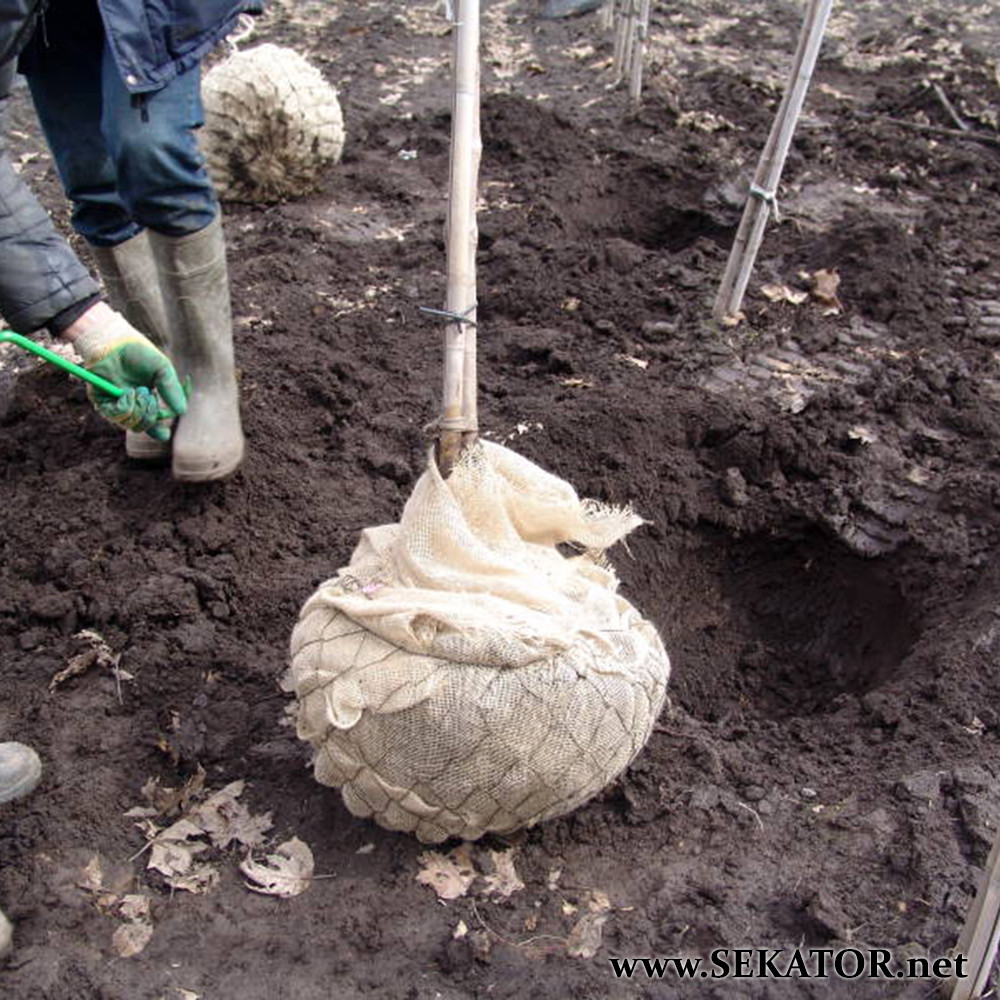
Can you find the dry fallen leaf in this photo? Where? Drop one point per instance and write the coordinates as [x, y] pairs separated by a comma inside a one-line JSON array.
[[505, 881], [862, 434], [598, 901], [825, 285], [174, 857], [93, 877], [173, 849], [219, 821], [200, 879], [782, 293], [703, 121], [130, 938], [630, 359], [791, 401], [286, 872], [166, 801], [976, 727], [135, 906], [584, 940], [449, 875], [825, 88], [98, 652], [225, 819]]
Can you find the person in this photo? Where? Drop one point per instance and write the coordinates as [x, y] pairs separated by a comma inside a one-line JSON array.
[[20, 772], [44, 285], [116, 85], [117, 88]]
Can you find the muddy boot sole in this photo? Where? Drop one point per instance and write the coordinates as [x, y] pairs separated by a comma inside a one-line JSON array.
[[144, 450], [193, 471], [20, 772]]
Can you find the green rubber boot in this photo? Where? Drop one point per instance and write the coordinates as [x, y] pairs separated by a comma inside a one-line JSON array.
[[132, 283], [208, 441]]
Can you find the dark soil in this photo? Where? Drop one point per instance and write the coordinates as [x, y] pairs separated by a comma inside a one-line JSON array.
[[823, 492]]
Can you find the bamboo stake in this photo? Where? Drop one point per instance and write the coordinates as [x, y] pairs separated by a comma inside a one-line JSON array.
[[470, 389], [607, 18], [622, 8], [762, 199], [639, 53], [981, 934], [628, 40], [458, 417]]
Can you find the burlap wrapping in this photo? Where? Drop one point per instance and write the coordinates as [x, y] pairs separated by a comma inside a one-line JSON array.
[[462, 675], [273, 125]]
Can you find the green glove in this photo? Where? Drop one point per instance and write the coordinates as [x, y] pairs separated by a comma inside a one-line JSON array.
[[137, 410], [118, 352]]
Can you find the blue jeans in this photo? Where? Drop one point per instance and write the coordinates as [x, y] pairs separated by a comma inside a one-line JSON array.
[[126, 162]]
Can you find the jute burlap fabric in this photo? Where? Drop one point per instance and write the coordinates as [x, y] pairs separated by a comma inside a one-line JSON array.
[[273, 125], [462, 675]]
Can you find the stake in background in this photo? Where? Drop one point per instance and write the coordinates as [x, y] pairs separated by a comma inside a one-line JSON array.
[[762, 200]]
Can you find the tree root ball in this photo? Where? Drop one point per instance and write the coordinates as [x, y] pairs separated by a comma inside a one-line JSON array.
[[273, 125]]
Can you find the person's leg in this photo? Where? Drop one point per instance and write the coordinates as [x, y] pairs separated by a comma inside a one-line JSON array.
[[162, 180], [132, 285], [208, 442], [63, 71], [158, 166]]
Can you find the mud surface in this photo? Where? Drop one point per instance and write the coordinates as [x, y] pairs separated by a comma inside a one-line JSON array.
[[821, 483]]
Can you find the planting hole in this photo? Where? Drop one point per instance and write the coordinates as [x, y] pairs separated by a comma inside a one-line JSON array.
[[783, 625]]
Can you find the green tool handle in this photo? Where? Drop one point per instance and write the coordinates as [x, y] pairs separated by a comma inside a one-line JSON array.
[[59, 361]]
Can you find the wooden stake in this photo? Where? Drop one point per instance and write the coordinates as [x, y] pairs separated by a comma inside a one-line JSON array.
[[630, 19], [622, 9], [639, 53], [762, 199], [607, 18], [981, 934], [458, 415], [470, 387]]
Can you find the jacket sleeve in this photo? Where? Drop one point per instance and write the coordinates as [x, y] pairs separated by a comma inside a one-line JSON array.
[[40, 276], [17, 22]]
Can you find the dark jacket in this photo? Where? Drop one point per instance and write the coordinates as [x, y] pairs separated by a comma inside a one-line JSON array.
[[154, 40], [41, 280], [42, 283]]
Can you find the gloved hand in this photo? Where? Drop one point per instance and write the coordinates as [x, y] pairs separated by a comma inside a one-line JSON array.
[[115, 350]]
